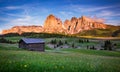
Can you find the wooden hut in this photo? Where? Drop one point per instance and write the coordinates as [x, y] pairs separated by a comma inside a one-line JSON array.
[[33, 44]]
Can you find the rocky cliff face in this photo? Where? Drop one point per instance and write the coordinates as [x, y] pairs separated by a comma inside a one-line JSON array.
[[76, 25], [54, 25], [23, 29]]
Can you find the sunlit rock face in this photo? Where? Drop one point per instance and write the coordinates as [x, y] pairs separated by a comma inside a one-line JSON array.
[[23, 29], [53, 25], [73, 26], [76, 25]]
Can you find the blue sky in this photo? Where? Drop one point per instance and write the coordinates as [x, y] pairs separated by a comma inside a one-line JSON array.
[[34, 12]]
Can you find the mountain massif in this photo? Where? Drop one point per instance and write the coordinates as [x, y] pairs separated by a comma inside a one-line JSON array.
[[73, 26], [53, 24]]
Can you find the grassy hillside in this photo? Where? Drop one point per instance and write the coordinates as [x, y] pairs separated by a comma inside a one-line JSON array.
[[111, 31], [13, 59]]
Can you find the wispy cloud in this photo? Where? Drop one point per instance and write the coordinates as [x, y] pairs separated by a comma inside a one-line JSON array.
[[80, 8], [89, 8], [106, 13], [115, 22], [26, 20], [66, 13], [13, 7], [4, 19], [15, 15]]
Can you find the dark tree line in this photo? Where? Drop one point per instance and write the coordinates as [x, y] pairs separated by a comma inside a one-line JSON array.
[[3, 40], [38, 35], [59, 42], [83, 41], [91, 47]]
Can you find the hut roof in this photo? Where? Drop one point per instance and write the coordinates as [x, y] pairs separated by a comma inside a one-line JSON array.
[[33, 40]]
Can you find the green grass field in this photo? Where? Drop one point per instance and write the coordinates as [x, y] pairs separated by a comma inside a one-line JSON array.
[[14, 59]]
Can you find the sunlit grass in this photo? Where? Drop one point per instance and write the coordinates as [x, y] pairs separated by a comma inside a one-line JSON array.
[[94, 37]]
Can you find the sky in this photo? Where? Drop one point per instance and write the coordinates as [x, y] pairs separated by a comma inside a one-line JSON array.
[[34, 12]]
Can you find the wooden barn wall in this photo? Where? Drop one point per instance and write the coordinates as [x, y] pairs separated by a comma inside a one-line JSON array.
[[22, 45], [36, 46]]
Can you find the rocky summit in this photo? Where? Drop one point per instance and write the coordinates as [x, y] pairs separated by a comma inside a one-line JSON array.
[[76, 25], [53, 24]]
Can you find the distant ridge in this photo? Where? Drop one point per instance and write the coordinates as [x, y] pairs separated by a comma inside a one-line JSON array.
[[23, 29]]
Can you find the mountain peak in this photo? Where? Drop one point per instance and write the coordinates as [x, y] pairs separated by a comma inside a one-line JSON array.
[[73, 19], [87, 19], [52, 24], [83, 17], [51, 16]]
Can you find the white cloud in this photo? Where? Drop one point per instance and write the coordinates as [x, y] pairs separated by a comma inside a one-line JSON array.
[[15, 15], [26, 20], [4, 19], [65, 13], [91, 9], [13, 7], [113, 22], [87, 8], [106, 13]]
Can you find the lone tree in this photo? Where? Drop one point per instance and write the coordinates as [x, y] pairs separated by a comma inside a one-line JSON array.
[[73, 45], [60, 43], [93, 47], [107, 45], [88, 41], [80, 41], [87, 47], [66, 42], [53, 41]]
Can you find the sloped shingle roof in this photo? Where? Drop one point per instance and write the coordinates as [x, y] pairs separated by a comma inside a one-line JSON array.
[[33, 40]]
